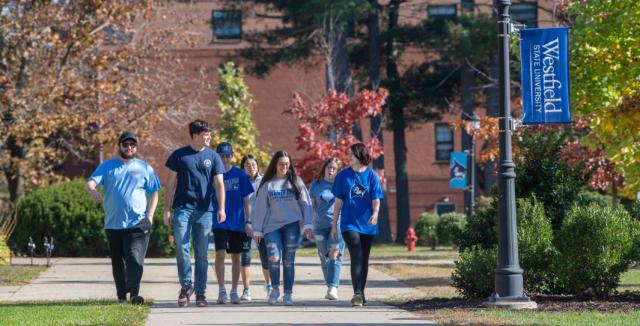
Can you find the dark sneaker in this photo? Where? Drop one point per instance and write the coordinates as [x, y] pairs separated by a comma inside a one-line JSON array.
[[185, 296], [201, 300], [137, 300], [122, 301], [357, 300]]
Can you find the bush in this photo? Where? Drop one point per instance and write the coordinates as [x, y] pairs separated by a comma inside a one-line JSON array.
[[589, 197], [474, 273], [426, 229], [481, 229], [535, 244], [449, 228], [595, 246], [66, 212]]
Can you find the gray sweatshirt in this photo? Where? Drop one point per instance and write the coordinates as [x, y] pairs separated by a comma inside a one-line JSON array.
[[276, 206], [252, 197]]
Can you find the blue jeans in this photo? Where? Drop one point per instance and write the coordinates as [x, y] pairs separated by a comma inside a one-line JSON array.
[[325, 244], [189, 223], [281, 246]]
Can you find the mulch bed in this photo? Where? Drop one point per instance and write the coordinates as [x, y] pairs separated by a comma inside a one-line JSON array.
[[623, 302]]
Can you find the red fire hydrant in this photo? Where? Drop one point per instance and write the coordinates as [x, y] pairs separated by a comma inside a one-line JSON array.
[[410, 239]]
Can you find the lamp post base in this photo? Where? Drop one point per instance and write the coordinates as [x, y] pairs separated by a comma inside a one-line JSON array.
[[515, 303]]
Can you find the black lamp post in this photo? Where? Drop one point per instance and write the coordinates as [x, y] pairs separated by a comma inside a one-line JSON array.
[[509, 291]]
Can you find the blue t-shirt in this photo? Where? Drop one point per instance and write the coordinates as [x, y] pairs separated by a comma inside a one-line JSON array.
[[237, 186], [357, 190], [126, 186], [195, 172], [323, 201]]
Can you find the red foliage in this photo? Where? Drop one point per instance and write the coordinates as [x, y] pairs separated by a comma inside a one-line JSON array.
[[325, 128]]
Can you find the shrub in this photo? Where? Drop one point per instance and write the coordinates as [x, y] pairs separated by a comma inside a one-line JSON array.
[[474, 273], [481, 229], [66, 212], [449, 228], [426, 229], [595, 246], [535, 244], [588, 197]]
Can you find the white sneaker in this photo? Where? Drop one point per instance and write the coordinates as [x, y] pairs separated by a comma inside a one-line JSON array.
[[246, 295], [288, 299], [235, 298], [274, 296], [332, 293], [222, 297]]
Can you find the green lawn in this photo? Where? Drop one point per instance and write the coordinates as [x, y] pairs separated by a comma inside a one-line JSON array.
[[72, 313], [509, 317], [19, 275], [630, 280]]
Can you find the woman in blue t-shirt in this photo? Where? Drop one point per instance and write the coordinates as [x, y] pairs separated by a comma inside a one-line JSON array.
[[329, 250], [358, 194]]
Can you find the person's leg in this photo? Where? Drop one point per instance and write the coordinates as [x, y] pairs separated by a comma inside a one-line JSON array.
[[367, 242], [291, 237], [322, 244], [352, 240], [335, 253], [264, 261], [274, 249], [116, 252], [221, 243], [182, 238], [136, 242], [235, 271], [245, 263], [201, 232]]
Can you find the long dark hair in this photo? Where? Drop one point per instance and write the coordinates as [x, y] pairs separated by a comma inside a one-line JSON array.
[[326, 163], [270, 173]]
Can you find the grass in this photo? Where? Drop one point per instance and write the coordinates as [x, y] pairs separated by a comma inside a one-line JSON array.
[[630, 281], [72, 313], [18, 275]]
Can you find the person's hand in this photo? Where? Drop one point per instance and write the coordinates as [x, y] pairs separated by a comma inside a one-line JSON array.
[[167, 218], [374, 219], [257, 239], [334, 232], [248, 229], [222, 216], [95, 196], [309, 234]]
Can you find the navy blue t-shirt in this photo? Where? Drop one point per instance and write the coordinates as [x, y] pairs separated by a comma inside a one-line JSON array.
[[237, 186], [357, 190], [195, 172]]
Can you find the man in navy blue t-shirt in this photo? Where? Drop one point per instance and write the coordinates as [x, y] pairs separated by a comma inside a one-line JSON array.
[[195, 177], [232, 236]]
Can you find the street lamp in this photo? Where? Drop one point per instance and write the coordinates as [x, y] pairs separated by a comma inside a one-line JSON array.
[[509, 292]]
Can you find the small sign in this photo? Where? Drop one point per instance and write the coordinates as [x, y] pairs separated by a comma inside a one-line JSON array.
[[458, 170], [544, 54]]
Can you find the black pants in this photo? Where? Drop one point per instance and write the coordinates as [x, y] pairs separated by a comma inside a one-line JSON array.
[[128, 248], [359, 246]]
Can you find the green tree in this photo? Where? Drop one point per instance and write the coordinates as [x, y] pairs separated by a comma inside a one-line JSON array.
[[235, 123]]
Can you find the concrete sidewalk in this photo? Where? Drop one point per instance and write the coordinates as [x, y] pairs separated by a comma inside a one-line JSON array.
[[90, 278]]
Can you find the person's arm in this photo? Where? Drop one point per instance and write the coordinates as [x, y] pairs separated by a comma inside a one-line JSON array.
[[375, 204], [337, 206], [248, 225], [169, 193], [260, 215], [91, 188], [218, 181], [152, 203], [307, 210]]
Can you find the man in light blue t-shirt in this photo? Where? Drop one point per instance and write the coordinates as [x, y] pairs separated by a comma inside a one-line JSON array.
[[130, 198]]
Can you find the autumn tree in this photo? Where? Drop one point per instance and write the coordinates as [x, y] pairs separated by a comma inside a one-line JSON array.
[[235, 123]]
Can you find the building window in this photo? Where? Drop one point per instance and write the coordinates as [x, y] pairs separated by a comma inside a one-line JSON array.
[[443, 208], [444, 142], [525, 13], [442, 11], [227, 24]]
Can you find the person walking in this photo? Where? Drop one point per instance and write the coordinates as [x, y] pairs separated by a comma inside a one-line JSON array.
[[130, 198], [195, 177], [358, 193], [250, 165], [282, 205], [329, 250], [233, 235]]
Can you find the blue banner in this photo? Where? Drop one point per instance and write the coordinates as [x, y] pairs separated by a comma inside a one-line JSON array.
[[544, 55], [458, 170]]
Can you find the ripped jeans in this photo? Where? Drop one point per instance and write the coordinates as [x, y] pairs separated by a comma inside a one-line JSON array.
[[281, 246], [325, 244]]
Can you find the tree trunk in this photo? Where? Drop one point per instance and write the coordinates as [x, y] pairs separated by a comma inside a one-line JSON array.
[[12, 172], [399, 125], [376, 122]]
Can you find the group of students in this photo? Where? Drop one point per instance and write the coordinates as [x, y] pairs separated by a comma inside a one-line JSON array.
[[206, 194]]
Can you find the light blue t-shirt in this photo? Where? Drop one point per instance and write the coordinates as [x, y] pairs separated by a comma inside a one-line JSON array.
[[126, 186], [323, 201], [237, 186], [357, 190]]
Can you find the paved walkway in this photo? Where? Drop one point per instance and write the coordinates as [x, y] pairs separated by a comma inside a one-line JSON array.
[[90, 278]]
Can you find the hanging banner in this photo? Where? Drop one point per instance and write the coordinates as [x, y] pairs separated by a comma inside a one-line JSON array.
[[544, 54], [458, 170]]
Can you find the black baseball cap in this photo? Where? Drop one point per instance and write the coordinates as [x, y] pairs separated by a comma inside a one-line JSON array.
[[127, 135]]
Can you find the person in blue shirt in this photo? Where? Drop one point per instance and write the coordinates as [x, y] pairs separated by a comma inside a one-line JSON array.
[[358, 194], [130, 198], [232, 235], [329, 250], [195, 177]]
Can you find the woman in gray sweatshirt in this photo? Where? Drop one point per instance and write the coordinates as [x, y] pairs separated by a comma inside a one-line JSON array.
[[283, 206]]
